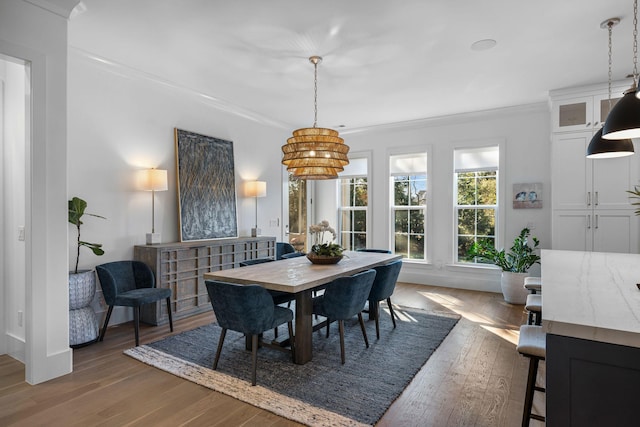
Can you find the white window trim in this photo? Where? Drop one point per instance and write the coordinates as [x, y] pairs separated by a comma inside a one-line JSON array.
[[501, 189], [428, 149], [359, 155]]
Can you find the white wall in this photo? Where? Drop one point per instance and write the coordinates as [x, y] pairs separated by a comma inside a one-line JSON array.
[[525, 134], [39, 36], [121, 121], [13, 195]]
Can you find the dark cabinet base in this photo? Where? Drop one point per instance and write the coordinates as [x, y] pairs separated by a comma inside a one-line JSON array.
[[591, 383]]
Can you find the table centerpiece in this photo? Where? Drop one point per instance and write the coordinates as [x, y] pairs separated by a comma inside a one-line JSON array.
[[324, 252]]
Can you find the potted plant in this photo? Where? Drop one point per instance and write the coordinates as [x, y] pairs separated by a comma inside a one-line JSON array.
[[515, 264], [83, 323], [324, 252]]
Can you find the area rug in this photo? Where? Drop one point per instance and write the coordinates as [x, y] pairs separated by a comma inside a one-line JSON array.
[[322, 392]]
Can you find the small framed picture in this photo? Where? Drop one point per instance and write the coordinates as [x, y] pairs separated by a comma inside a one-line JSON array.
[[527, 196]]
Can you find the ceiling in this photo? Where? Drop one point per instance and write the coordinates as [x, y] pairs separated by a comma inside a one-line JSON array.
[[383, 62]]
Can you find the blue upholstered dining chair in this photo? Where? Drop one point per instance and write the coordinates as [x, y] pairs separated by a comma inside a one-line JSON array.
[[283, 248], [379, 251], [130, 284], [247, 309], [382, 289], [344, 298], [292, 255]]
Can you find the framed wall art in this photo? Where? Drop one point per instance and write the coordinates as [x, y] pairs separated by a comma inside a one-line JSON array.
[[527, 196], [206, 187]]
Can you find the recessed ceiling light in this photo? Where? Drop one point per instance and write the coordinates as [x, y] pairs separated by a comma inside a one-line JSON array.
[[484, 44]]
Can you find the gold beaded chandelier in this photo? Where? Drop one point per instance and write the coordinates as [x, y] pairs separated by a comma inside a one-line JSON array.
[[315, 153]]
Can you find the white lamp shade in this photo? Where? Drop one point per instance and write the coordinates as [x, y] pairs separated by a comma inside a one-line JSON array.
[[255, 189], [154, 180]]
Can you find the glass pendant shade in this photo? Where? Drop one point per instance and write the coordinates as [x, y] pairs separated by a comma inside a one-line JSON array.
[[315, 153], [608, 148], [624, 119]]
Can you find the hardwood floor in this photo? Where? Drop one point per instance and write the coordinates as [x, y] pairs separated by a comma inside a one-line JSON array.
[[475, 378]]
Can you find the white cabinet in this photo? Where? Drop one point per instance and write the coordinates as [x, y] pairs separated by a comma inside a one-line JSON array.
[[570, 113], [595, 230], [591, 210]]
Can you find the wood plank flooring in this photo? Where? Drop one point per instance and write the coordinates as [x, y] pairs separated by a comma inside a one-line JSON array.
[[475, 378]]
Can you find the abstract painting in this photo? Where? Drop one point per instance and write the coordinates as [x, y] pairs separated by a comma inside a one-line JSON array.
[[527, 196], [206, 187]]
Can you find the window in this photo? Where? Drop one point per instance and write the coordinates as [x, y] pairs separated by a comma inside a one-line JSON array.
[[476, 197], [409, 204], [353, 205]]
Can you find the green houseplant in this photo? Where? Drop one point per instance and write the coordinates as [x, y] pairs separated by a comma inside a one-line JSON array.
[[83, 322], [515, 264]]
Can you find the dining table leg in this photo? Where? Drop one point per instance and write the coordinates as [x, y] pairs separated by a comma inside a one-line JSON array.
[[304, 327]]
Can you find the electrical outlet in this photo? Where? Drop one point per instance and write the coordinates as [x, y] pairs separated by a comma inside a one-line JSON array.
[[21, 233]]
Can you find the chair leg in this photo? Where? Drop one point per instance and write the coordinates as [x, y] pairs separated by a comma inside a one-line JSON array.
[[530, 318], [169, 313], [220, 341], [106, 322], [292, 340], [136, 323], [254, 357], [341, 330], [531, 387], [364, 331], [393, 313], [328, 323], [376, 317]]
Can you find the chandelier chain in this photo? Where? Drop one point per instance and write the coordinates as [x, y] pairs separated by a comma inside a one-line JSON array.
[[315, 94]]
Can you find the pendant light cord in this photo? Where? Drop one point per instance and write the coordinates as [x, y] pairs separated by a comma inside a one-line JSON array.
[[610, 27], [635, 43], [315, 93]]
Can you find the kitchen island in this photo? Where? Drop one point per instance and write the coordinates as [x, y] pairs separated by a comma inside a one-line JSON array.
[[591, 314]]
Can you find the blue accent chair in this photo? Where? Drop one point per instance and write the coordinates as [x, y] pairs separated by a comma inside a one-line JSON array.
[[344, 298], [379, 251], [283, 248], [130, 284], [247, 309], [292, 255], [382, 289]]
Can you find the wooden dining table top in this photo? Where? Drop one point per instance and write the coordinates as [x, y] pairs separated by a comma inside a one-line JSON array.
[[298, 274]]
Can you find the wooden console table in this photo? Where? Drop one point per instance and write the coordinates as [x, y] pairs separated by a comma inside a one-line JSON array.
[[180, 267]]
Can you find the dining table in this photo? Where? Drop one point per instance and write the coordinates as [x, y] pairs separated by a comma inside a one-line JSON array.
[[300, 277]]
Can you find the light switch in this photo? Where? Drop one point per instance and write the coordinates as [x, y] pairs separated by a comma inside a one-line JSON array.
[[21, 233]]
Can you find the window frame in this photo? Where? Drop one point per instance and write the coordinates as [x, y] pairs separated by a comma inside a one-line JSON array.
[[500, 194], [426, 209], [341, 209]]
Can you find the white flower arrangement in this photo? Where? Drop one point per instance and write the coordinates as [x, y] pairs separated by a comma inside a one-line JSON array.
[[320, 246]]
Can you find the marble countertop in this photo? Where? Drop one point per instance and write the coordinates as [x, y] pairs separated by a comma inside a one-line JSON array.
[[591, 295]]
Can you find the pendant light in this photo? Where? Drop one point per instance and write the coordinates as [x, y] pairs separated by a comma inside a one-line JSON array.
[[315, 153], [604, 148], [624, 119]]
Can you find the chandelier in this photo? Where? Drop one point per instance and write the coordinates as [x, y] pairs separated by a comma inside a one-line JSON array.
[[315, 153]]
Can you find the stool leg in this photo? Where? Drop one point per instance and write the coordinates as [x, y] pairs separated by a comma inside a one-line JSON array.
[[531, 383]]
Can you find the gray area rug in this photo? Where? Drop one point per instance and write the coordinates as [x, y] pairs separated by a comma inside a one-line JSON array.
[[322, 392]]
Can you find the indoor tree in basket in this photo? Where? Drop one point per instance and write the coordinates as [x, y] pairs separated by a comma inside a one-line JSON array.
[[514, 264], [83, 322], [322, 251]]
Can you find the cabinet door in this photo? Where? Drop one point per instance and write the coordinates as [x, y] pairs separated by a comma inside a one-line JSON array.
[[571, 172], [601, 106], [615, 231], [611, 180], [572, 231], [570, 115]]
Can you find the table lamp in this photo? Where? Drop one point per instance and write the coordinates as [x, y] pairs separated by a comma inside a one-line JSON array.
[[154, 180], [255, 189]]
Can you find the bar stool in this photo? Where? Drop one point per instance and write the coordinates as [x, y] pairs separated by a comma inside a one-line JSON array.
[[533, 284], [533, 305], [532, 344]]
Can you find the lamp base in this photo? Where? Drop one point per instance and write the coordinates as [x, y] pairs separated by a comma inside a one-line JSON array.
[[255, 232], [153, 238]]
